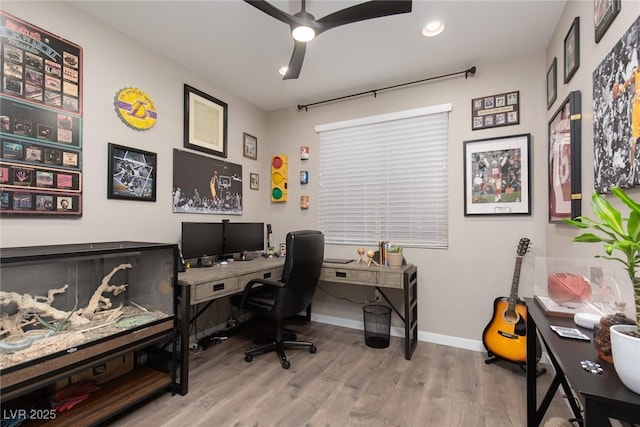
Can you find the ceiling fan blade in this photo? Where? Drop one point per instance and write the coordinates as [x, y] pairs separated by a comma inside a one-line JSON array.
[[272, 11], [295, 65], [361, 12]]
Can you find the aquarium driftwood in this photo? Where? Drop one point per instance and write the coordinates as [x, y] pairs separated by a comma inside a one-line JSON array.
[[99, 302], [29, 306]]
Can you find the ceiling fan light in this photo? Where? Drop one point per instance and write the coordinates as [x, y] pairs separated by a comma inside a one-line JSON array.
[[432, 29], [303, 33], [283, 70]]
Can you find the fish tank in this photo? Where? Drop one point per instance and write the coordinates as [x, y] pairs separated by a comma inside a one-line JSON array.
[[63, 299]]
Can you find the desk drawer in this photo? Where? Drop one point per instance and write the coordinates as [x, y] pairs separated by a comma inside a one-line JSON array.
[[389, 279], [271, 274], [340, 275], [210, 290]]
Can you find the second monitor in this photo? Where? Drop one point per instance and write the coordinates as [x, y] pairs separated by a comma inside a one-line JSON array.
[[242, 237]]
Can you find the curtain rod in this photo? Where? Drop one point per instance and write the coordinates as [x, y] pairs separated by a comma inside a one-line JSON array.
[[469, 71]]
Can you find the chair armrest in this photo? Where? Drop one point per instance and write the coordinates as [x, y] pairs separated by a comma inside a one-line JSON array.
[[254, 282]]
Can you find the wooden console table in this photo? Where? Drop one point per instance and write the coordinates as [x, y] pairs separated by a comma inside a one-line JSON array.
[[405, 278], [200, 285], [602, 396]]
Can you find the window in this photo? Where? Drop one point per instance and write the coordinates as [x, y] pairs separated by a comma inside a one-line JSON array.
[[385, 178]]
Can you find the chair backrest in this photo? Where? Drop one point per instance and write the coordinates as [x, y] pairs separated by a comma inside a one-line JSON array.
[[301, 271]]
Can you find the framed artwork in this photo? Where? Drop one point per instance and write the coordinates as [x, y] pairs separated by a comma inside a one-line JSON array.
[[616, 153], [572, 50], [496, 176], [552, 87], [204, 185], [205, 122], [565, 200], [604, 12], [131, 174], [498, 110], [254, 181], [249, 146]]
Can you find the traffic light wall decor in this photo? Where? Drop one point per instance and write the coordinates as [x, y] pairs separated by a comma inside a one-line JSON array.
[[279, 177]]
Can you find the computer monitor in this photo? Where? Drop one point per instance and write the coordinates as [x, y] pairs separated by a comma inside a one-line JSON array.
[[202, 239], [243, 236]]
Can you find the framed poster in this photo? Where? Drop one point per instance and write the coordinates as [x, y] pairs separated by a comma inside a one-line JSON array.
[[496, 176], [565, 198], [205, 122], [616, 151], [40, 67], [604, 12], [249, 146], [254, 182], [572, 50], [492, 111], [131, 174], [205, 185], [552, 87]]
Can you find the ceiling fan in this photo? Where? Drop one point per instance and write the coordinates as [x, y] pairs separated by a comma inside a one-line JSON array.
[[304, 26]]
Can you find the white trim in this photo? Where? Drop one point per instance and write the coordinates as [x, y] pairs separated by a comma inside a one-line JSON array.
[[447, 340], [434, 109]]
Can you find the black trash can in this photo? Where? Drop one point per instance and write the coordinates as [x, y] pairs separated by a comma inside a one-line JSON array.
[[377, 325]]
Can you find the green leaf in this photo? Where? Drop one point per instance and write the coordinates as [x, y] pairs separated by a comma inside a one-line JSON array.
[[607, 213], [631, 204]]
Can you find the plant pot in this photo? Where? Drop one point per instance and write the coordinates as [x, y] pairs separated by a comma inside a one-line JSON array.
[[395, 259], [626, 356]]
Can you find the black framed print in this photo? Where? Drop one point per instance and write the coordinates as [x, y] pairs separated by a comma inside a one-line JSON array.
[[572, 50], [496, 176], [131, 174], [565, 199], [205, 122], [249, 146], [552, 85], [604, 12], [254, 181]]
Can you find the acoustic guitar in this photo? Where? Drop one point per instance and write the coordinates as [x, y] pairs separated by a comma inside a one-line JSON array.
[[505, 336]]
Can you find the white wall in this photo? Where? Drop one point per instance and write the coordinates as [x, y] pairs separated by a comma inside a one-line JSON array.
[[112, 62], [591, 55], [456, 286]]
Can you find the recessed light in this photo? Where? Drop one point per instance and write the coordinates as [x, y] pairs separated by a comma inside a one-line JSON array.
[[282, 70], [432, 29]]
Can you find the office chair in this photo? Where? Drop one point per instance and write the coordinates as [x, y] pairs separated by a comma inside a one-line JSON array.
[[288, 296]]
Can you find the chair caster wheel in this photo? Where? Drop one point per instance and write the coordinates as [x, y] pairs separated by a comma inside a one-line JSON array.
[[286, 364], [248, 358], [312, 349]]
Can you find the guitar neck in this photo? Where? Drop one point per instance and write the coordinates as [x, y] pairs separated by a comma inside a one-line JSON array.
[[513, 296]]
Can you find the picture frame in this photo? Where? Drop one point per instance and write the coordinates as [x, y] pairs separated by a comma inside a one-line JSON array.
[[572, 50], [205, 122], [564, 178], [502, 109], [249, 146], [615, 163], [604, 13], [131, 174], [254, 181], [488, 163], [552, 85]]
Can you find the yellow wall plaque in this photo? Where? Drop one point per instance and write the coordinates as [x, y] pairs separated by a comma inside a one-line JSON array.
[[135, 108]]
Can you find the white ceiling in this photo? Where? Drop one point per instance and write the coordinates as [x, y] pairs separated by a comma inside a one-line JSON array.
[[239, 48]]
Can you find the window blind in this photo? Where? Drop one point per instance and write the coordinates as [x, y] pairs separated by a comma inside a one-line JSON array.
[[385, 178]]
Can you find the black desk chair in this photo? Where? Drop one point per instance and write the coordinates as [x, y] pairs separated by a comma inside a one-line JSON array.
[[288, 296]]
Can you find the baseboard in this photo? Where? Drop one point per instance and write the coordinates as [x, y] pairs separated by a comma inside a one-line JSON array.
[[399, 332]]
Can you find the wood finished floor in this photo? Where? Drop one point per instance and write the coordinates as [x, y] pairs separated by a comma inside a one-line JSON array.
[[345, 383]]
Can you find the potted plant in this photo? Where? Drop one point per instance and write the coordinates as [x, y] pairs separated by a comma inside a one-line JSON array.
[[621, 239], [395, 256]]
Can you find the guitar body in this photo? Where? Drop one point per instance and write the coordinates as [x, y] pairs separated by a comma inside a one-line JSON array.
[[506, 334]]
